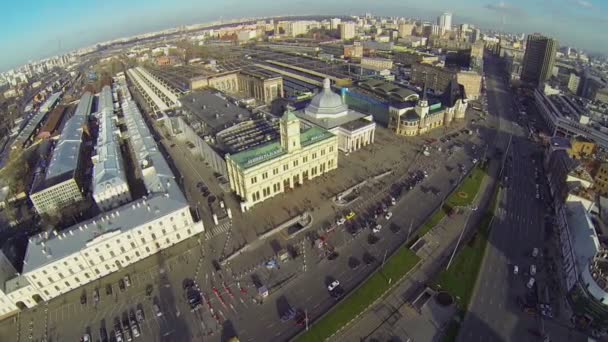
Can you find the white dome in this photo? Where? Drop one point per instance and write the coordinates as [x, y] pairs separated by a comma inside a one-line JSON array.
[[326, 103]]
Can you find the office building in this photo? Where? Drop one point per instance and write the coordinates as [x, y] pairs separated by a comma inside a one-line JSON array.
[[438, 78], [296, 28], [444, 22], [61, 183], [110, 188], [574, 82], [328, 111], [539, 59], [267, 170], [347, 30]]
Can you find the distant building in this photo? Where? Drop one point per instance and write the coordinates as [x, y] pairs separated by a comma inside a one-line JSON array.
[[539, 58], [354, 51], [60, 185], [166, 60], [573, 83], [600, 184], [438, 78], [377, 64], [334, 23], [347, 30], [405, 29], [296, 28], [269, 169], [581, 148], [419, 116], [602, 95], [444, 22]]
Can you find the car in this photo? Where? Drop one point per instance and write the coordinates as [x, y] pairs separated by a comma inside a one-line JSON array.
[[350, 215], [531, 282], [127, 333], [377, 228], [103, 333], [475, 159], [118, 336], [199, 184], [534, 252], [340, 221], [515, 269], [334, 284], [85, 338], [108, 289], [157, 310], [127, 280], [393, 201], [388, 215], [532, 269], [140, 315], [134, 328]]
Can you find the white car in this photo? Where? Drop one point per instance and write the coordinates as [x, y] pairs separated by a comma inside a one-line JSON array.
[[532, 270], [393, 201], [333, 285], [127, 280], [534, 252], [340, 221], [86, 338], [515, 269], [474, 161], [377, 228], [530, 282], [388, 215]]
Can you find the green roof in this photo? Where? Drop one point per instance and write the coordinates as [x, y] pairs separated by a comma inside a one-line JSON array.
[[258, 155], [261, 154], [314, 135]]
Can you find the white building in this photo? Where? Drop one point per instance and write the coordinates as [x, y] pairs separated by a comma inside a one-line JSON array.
[[328, 111], [347, 30], [60, 185], [445, 22], [56, 263], [334, 22], [159, 96], [295, 28], [110, 188]]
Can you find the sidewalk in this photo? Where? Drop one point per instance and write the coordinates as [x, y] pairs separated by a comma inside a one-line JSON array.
[[394, 310]]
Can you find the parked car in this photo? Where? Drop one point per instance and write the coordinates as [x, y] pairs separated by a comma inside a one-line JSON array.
[[157, 310], [532, 270], [515, 269], [534, 252], [340, 221], [109, 289], [350, 215], [388, 215], [127, 280], [377, 228], [140, 315], [531, 282]]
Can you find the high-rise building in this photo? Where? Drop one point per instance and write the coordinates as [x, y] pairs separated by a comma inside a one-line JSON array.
[[445, 21], [573, 83], [347, 30], [476, 35], [405, 29], [539, 58], [295, 28], [334, 22]]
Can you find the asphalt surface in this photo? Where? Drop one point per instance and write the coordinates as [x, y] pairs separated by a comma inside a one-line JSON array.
[[494, 313]]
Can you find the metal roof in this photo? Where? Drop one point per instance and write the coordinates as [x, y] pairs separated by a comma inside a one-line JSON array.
[[67, 150], [34, 122], [108, 170]]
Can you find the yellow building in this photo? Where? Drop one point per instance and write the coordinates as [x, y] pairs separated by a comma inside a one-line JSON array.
[[264, 171], [601, 180], [423, 117], [581, 148]]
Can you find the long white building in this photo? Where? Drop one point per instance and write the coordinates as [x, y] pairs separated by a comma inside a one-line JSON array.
[[159, 95], [56, 263], [110, 188]]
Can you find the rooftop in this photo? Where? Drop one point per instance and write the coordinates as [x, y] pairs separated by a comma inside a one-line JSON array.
[[67, 150], [255, 156], [214, 109]]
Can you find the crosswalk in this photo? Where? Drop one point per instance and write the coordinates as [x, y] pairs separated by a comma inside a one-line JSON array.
[[219, 229]]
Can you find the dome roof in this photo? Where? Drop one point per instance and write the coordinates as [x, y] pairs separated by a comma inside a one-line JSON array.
[[326, 103]]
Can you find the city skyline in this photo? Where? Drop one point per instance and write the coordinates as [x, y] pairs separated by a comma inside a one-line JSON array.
[[581, 22]]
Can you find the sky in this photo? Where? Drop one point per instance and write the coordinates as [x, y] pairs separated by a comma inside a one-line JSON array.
[[31, 30]]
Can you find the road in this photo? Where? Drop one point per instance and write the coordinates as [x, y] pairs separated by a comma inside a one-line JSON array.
[[494, 312]]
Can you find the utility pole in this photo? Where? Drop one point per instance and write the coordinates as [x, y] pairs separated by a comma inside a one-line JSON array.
[[464, 227], [306, 318]]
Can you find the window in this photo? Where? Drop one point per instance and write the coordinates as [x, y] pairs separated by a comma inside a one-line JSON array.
[[81, 267], [137, 253], [153, 236], [314, 155], [305, 159], [276, 187], [39, 284], [295, 163], [331, 148], [67, 284], [266, 192], [132, 244], [127, 258], [50, 279], [323, 152], [87, 275], [254, 180], [275, 171], [256, 196], [264, 175], [97, 271], [167, 240], [285, 167], [112, 254], [177, 236], [101, 258], [122, 249], [107, 267], [46, 292], [77, 280], [164, 232], [147, 249], [60, 275]]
